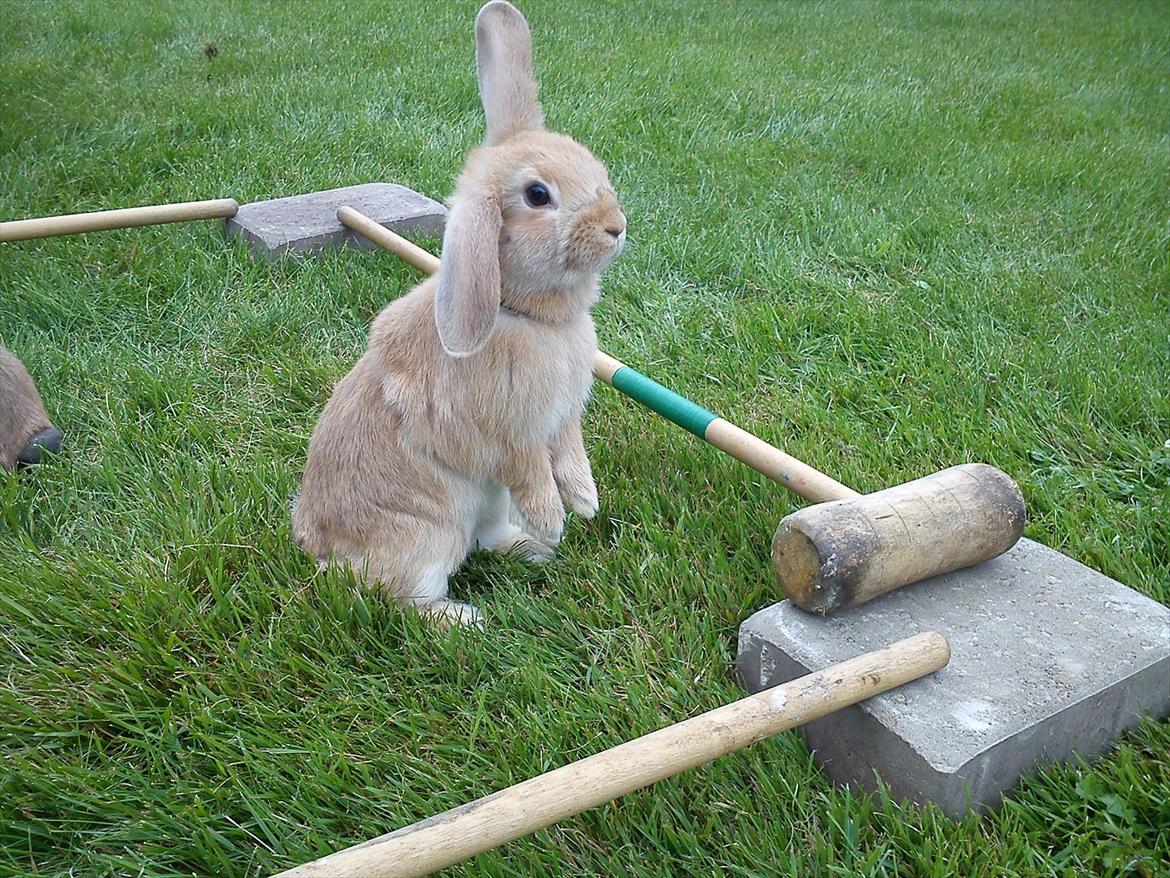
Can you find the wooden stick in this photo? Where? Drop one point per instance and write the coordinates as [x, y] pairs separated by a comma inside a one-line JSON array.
[[782, 468], [481, 825], [768, 460], [46, 227], [383, 237]]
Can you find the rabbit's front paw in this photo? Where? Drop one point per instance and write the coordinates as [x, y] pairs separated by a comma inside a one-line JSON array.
[[581, 497], [576, 487], [543, 515]]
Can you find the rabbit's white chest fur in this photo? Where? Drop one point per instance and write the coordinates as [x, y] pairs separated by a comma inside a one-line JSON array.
[[520, 390], [469, 413], [537, 376]]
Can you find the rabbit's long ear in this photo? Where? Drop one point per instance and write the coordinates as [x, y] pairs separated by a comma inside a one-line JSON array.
[[468, 298], [503, 59]]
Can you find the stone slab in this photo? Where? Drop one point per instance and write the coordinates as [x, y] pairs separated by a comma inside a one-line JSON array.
[[308, 223], [1048, 658]]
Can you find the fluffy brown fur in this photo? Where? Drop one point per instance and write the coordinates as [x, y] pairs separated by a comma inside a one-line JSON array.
[[24, 425], [460, 427]]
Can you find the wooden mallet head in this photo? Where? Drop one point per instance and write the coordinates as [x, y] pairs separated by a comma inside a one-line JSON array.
[[846, 552]]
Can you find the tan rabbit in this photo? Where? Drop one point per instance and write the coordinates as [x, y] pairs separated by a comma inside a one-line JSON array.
[[466, 407], [25, 429]]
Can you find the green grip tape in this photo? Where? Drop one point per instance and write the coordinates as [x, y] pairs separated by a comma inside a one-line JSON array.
[[666, 402]]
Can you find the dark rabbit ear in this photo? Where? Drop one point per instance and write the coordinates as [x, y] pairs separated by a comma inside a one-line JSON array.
[[503, 56], [468, 298]]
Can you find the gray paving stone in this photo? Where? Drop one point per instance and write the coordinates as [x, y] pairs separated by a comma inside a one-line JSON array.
[[1048, 658], [307, 223]]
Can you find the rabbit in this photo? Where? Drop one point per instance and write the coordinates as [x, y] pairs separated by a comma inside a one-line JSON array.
[[26, 432], [462, 419]]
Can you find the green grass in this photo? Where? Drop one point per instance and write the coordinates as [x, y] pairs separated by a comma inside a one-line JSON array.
[[889, 237]]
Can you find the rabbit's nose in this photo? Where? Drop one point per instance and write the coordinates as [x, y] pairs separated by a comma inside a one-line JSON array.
[[616, 223]]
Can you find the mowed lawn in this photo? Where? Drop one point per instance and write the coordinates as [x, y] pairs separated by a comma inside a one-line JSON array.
[[888, 237]]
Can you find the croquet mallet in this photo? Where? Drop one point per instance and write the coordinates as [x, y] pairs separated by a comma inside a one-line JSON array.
[[848, 548]]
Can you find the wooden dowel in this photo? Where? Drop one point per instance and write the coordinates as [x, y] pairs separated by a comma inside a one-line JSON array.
[[782, 468], [383, 237], [766, 459], [125, 218], [478, 826]]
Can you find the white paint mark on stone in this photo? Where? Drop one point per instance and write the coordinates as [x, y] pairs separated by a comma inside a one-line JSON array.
[[975, 714], [1070, 665]]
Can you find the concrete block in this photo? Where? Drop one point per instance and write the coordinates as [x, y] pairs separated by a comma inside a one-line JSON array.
[[307, 223], [1048, 658]]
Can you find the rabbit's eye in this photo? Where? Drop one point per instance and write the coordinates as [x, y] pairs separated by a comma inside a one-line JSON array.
[[537, 195]]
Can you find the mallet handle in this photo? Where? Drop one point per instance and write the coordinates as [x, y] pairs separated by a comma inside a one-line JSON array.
[[486, 823], [767, 459], [103, 220], [383, 237]]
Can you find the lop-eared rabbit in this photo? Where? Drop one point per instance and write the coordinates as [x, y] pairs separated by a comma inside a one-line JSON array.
[[460, 426]]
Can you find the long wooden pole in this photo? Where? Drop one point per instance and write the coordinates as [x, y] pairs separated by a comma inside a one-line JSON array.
[[769, 460], [125, 218], [478, 826]]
